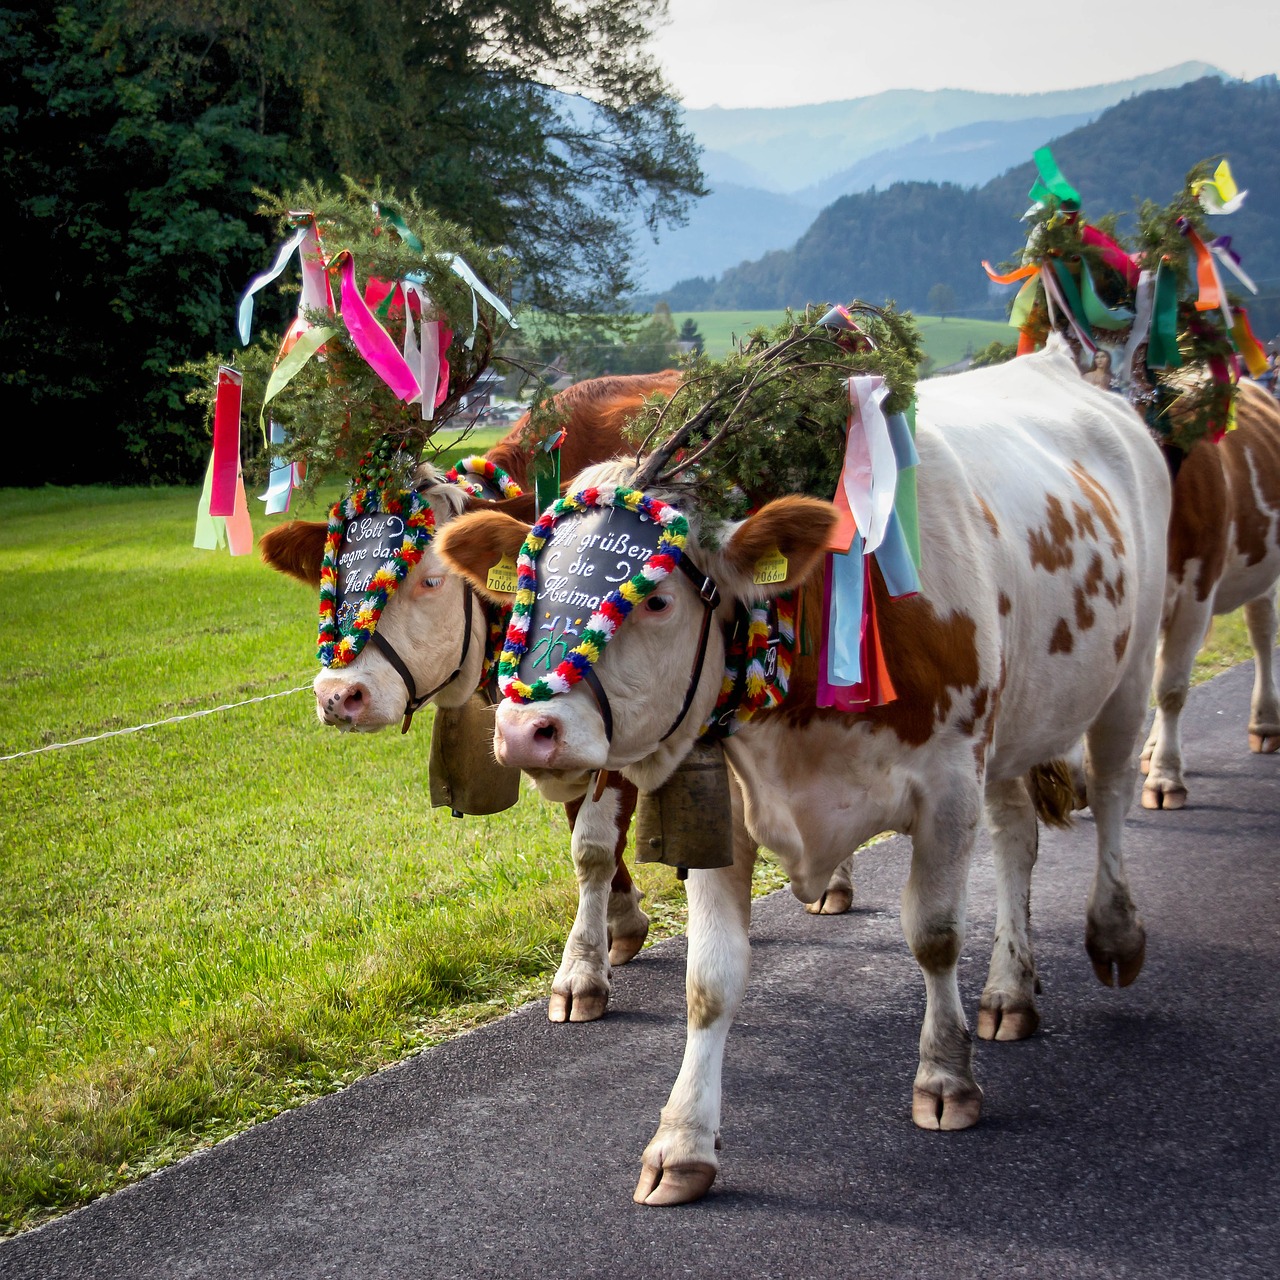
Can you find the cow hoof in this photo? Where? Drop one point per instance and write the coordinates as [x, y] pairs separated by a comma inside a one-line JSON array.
[[1155, 798], [586, 1007], [1263, 744], [948, 1112], [623, 949], [1008, 1022], [835, 902], [1116, 970], [674, 1184]]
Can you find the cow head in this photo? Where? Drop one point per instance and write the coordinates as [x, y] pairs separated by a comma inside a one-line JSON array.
[[648, 691], [424, 622]]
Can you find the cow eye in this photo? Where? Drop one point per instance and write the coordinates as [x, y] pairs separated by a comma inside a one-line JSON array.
[[431, 584], [657, 604]]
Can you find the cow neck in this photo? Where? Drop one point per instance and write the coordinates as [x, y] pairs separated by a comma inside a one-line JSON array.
[[709, 594], [750, 683], [415, 700]]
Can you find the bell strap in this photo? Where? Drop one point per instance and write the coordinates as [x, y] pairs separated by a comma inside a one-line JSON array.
[[416, 702]]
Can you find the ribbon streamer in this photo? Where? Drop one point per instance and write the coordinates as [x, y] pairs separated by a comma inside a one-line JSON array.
[[302, 347], [1250, 349], [1051, 184], [1219, 194], [226, 442], [870, 474], [371, 340], [280, 484], [245, 315], [469, 277], [1162, 350]]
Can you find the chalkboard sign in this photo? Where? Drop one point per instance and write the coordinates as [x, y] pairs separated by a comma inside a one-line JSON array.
[[587, 556], [370, 542]]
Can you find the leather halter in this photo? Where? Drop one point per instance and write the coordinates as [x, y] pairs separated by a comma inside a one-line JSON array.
[[417, 701], [709, 594]]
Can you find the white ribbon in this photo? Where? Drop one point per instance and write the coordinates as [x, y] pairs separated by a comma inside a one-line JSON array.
[[1144, 302], [281, 483], [1225, 258], [423, 358], [870, 475], [469, 277], [245, 315]]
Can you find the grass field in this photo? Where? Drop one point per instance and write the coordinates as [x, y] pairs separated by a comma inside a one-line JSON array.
[[208, 922], [945, 340], [211, 921]]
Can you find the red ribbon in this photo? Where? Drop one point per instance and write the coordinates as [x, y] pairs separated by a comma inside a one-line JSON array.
[[226, 442]]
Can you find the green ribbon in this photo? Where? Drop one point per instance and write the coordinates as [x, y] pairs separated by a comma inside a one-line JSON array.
[[211, 531], [1070, 291], [1162, 344], [905, 502], [288, 368], [546, 477], [1024, 302], [401, 228], [1098, 314], [1051, 185]]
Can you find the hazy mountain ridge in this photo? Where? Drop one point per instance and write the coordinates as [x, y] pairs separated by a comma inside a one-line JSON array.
[[901, 241], [797, 147], [934, 137]]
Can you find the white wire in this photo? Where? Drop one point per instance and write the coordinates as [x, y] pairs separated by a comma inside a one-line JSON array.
[[155, 724]]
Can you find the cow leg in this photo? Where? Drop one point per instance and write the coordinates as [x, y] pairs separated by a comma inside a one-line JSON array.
[[580, 990], [1264, 707], [1008, 1007], [1114, 936], [680, 1162], [628, 925], [945, 1094], [1162, 755], [837, 897]]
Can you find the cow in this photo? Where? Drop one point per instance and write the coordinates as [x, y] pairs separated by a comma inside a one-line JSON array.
[[1224, 552], [425, 622], [1036, 624]]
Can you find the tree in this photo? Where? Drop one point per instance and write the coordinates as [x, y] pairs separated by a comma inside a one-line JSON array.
[[136, 130], [690, 333], [942, 298]]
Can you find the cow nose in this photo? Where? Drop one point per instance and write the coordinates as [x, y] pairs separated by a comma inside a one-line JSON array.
[[531, 742], [343, 703]]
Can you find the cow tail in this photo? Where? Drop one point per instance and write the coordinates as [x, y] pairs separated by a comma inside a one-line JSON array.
[[1053, 793]]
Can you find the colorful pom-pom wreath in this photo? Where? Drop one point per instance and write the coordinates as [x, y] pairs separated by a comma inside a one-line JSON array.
[[612, 609], [342, 637], [475, 472]]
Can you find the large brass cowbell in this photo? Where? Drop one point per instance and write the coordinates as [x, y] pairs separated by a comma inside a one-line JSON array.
[[688, 822], [463, 774]]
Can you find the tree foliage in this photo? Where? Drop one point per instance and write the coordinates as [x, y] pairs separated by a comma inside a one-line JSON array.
[[137, 130]]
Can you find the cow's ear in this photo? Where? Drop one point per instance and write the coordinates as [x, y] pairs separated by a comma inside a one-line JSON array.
[[776, 549], [482, 546], [296, 548]]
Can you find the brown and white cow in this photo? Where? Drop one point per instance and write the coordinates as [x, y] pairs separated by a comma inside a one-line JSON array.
[[425, 622], [1224, 552], [1036, 624]]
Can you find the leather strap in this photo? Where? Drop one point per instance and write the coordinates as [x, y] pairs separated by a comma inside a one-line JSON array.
[[416, 702]]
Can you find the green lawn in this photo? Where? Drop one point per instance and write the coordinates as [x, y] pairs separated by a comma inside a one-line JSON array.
[[210, 921], [945, 340]]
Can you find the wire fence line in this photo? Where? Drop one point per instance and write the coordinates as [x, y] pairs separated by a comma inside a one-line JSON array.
[[154, 724]]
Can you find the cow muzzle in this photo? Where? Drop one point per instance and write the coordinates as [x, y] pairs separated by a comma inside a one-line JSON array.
[[535, 737], [344, 703]]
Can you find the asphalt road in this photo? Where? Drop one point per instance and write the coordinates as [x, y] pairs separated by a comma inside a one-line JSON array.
[[1135, 1135]]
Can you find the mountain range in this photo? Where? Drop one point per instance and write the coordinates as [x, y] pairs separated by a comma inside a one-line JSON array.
[[899, 241], [771, 170]]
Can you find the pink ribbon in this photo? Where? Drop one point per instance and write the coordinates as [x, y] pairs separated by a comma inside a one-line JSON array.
[[226, 442], [1112, 254], [372, 341]]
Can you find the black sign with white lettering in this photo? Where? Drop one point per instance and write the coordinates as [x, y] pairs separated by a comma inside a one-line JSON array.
[[369, 542], [587, 556]]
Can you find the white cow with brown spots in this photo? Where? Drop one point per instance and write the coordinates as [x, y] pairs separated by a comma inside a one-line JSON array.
[[1224, 552], [1036, 624]]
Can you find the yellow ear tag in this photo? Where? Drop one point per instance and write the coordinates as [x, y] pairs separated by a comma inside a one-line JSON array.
[[770, 568], [502, 577]]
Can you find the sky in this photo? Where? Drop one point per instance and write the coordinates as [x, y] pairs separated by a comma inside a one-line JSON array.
[[772, 53]]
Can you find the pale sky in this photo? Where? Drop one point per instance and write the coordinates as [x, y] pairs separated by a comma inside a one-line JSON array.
[[769, 53]]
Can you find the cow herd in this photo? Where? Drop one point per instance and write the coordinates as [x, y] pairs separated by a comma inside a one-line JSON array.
[[1060, 570]]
